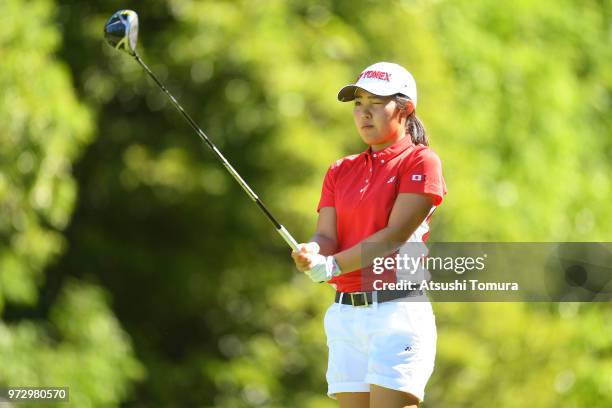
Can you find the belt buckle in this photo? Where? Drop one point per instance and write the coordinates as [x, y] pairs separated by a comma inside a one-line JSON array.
[[365, 299]]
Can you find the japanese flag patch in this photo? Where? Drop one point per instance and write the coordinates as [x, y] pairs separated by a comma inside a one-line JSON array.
[[418, 177]]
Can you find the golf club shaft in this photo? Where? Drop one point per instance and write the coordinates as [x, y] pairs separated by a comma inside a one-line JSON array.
[[279, 228]]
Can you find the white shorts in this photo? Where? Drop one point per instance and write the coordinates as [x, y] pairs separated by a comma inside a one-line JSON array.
[[391, 344]]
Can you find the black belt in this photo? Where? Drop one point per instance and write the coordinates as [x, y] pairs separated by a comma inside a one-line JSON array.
[[365, 298]]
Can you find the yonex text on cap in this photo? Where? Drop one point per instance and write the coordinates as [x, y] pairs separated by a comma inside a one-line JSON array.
[[382, 79]]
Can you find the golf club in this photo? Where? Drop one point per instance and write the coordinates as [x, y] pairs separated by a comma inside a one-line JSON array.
[[121, 32]]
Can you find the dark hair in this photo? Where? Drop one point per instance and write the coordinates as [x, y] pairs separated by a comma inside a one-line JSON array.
[[414, 126]]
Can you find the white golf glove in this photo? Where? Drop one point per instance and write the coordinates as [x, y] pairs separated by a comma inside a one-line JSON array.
[[323, 268]]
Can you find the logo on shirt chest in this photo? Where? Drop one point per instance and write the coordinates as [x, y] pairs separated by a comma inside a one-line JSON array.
[[391, 179]]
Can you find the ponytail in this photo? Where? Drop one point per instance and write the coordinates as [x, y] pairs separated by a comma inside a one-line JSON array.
[[416, 130], [414, 127]]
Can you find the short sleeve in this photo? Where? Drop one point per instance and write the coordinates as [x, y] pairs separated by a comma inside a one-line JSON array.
[[329, 186], [424, 176]]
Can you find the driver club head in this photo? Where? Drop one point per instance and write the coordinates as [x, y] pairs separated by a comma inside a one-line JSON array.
[[121, 31]]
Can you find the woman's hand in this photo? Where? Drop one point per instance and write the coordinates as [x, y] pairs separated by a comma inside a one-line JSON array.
[[303, 257], [322, 268]]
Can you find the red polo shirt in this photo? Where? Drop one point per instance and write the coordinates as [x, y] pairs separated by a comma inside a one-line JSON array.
[[363, 189]]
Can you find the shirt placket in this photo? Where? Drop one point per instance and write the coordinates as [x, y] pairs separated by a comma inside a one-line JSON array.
[[369, 174]]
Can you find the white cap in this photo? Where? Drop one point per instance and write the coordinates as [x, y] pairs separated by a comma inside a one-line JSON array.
[[382, 79]]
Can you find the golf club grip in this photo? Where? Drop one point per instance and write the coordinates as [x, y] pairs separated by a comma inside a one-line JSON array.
[[288, 237], [279, 228]]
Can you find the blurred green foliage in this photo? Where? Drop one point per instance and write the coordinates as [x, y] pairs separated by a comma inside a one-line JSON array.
[[135, 271], [77, 340]]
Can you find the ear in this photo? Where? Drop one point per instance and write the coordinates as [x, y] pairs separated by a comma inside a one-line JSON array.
[[409, 107]]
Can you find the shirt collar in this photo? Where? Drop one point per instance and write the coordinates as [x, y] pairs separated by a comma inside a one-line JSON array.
[[390, 152]]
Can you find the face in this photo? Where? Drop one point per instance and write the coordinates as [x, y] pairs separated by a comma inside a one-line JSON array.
[[379, 121]]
